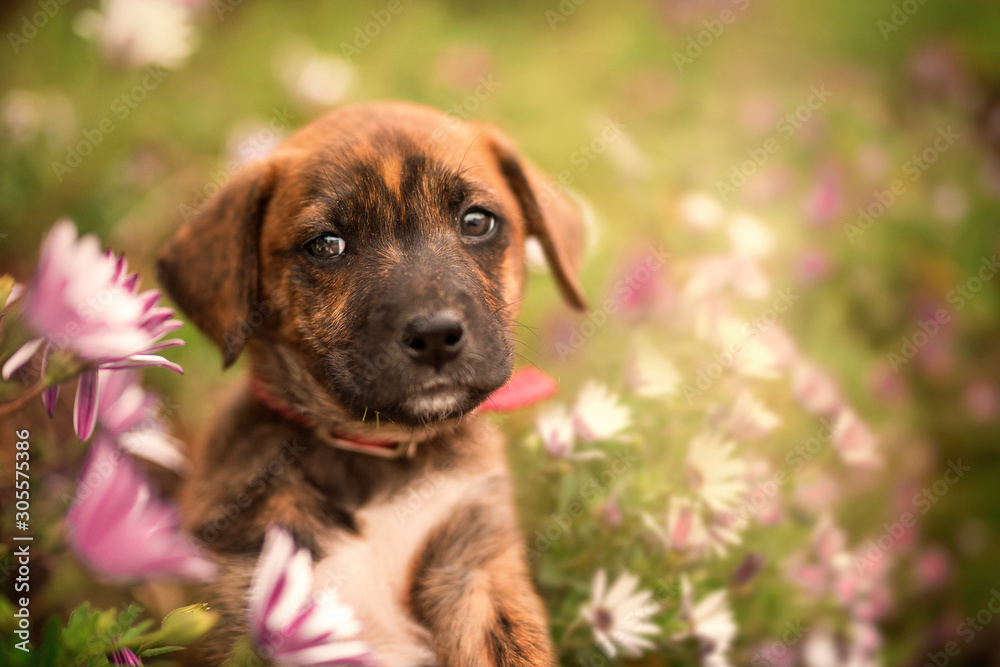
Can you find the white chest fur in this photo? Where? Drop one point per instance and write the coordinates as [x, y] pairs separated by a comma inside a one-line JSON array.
[[372, 571]]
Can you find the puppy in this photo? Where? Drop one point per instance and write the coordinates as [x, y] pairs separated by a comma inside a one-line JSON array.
[[371, 268]]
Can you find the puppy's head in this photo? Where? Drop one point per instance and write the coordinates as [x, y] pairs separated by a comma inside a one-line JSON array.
[[381, 247]]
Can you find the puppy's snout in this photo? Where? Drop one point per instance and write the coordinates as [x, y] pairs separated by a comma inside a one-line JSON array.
[[434, 339]]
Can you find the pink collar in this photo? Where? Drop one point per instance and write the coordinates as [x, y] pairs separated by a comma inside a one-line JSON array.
[[526, 387]]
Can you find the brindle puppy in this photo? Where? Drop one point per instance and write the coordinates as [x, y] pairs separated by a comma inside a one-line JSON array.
[[371, 267]]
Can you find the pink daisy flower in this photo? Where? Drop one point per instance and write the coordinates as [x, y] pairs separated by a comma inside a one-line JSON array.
[[291, 624], [85, 300], [122, 531]]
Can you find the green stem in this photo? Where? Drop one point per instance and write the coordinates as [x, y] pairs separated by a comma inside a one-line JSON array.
[[570, 629], [57, 374], [22, 400]]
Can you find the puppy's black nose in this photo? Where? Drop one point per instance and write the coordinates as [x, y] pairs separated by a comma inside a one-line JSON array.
[[434, 339]]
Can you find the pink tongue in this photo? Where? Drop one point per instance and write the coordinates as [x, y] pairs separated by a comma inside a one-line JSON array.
[[527, 386]]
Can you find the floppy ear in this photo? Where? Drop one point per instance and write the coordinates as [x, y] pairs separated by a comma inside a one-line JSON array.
[[551, 216], [209, 267]]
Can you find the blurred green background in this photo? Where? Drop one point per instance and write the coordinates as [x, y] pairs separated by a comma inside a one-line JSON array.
[[694, 94]]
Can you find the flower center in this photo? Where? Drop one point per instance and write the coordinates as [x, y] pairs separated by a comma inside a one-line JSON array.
[[603, 620], [695, 478]]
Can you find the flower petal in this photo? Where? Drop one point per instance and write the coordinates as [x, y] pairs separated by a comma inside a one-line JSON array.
[[142, 360], [49, 398], [16, 292], [157, 447], [556, 429], [597, 414], [598, 587], [85, 409], [298, 626], [621, 589], [170, 342], [21, 357], [340, 653], [121, 530]]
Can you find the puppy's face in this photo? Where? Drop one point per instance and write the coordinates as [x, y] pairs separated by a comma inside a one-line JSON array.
[[400, 259], [391, 240]]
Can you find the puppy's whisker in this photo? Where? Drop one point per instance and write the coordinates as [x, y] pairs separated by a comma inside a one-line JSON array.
[[508, 305], [529, 361], [532, 330], [465, 154], [523, 344], [469, 168], [519, 323]]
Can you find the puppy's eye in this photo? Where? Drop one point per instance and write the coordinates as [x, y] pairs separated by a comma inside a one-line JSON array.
[[477, 224], [326, 246]]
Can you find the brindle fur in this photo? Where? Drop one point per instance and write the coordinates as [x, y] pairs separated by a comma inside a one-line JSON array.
[[392, 179]]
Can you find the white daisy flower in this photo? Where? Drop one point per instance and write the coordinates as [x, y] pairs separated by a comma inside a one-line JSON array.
[[714, 474], [822, 649], [781, 345], [620, 616], [749, 237], [652, 374], [749, 419], [700, 211], [25, 114], [707, 317], [867, 642], [627, 156], [685, 530], [854, 440], [814, 389], [750, 357], [598, 415], [748, 278], [823, 569], [708, 276], [710, 621], [313, 77], [555, 426], [763, 500], [711, 274], [251, 141], [137, 33], [757, 361], [815, 490]]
